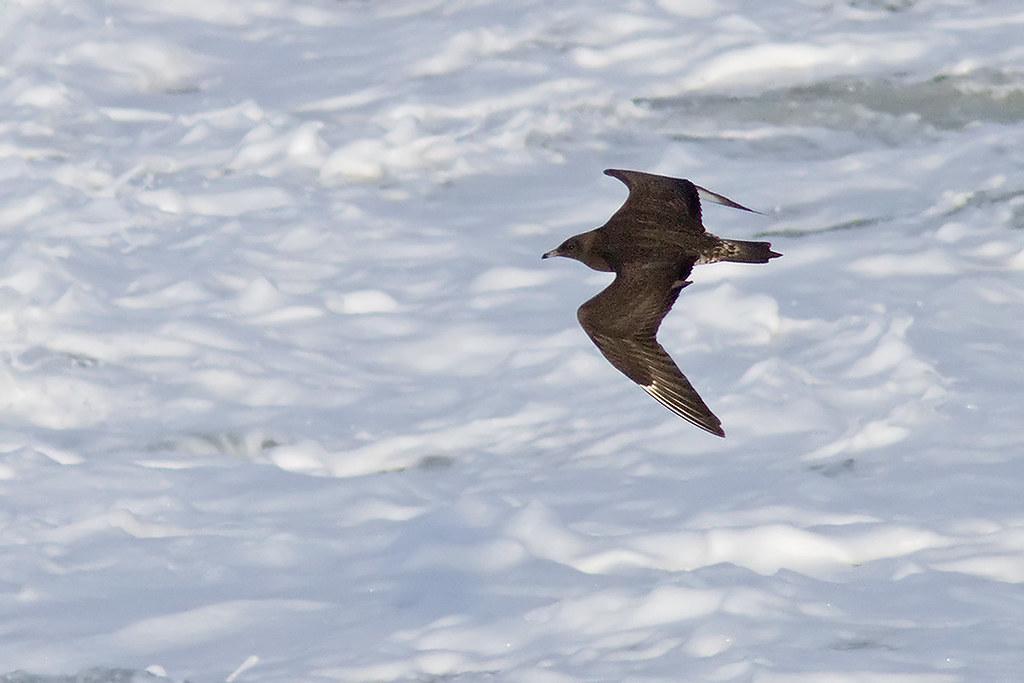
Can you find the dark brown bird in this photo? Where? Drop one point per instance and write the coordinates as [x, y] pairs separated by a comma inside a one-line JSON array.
[[651, 244]]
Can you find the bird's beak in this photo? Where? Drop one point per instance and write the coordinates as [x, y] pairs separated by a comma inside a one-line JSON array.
[[553, 252]]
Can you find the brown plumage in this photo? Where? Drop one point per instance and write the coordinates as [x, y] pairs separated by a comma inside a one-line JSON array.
[[652, 243]]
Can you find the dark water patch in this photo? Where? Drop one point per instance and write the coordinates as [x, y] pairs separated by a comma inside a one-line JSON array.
[[984, 198], [854, 224], [227, 443], [832, 470], [429, 463], [41, 357], [858, 644], [95, 675], [894, 6], [890, 109]]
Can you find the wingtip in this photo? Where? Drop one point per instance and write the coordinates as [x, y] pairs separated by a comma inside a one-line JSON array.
[[714, 428], [708, 196], [705, 420], [710, 428], [623, 176]]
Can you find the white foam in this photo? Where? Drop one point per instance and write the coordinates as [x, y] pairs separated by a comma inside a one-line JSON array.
[[500, 279], [287, 394], [362, 301], [148, 66]]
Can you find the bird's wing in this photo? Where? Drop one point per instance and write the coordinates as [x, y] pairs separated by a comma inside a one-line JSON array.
[[665, 201], [623, 322], [715, 198]]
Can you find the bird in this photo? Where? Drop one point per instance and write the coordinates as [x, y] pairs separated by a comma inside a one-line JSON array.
[[652, 244]]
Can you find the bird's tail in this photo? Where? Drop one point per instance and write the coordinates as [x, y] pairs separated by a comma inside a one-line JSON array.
[[741, 251]]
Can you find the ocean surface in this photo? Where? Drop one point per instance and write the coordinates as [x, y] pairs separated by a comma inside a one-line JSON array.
[[287, 394]]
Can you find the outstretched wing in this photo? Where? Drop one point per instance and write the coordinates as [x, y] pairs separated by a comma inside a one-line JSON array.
[[666, 201], [623, 322]]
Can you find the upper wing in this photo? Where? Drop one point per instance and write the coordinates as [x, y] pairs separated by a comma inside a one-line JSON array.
[[666, 201], [623, 320]]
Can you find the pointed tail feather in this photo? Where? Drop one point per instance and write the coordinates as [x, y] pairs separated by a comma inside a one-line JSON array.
[[741, 251]]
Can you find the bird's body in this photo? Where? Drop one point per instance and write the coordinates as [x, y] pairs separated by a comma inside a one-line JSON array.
[[652, 244]]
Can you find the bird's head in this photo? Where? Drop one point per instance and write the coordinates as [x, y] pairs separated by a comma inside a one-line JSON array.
[[585, 248], [571, 248]]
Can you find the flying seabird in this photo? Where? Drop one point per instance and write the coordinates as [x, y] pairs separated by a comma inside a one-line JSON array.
[[651, 244]]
